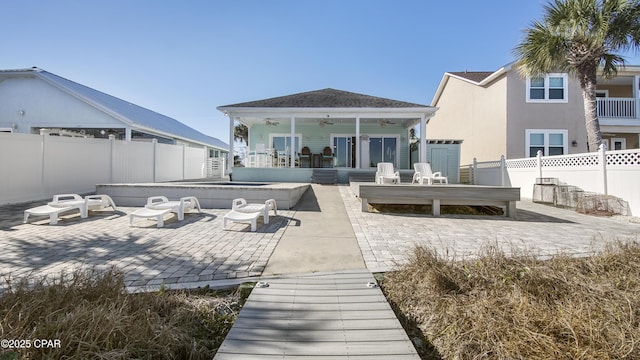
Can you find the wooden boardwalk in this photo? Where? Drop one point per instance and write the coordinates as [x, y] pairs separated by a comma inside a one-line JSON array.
[[323, 316]]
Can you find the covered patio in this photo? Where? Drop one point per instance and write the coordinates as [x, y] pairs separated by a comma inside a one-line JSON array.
[[330, 128]]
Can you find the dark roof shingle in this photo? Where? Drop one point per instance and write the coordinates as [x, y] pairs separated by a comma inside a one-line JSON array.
[[475, 76], [327, 98]]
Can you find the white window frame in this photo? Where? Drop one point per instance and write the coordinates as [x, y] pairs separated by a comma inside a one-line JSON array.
[[6, 130], [565, 93], [286, 135], [333, 136], [546, 133], [396, 137], [622, 141]]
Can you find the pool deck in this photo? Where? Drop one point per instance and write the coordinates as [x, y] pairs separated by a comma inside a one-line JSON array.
[[198, 252]]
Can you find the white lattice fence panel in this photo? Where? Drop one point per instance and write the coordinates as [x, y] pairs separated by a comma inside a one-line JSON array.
[[623, 157], [522, 163], [488, 164], [571, 161]]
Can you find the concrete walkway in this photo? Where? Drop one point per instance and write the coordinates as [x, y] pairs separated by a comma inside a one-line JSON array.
[[319, 237]]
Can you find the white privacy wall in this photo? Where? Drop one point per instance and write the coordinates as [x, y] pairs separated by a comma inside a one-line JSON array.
[[614, 173], [34, 167], [131, 162]]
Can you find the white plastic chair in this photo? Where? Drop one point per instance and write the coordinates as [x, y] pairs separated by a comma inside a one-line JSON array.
[[241, 205], [283, 158], [423, 171], [386, 173], [260, 156], [179, 207], [66, 202], [90, 202]]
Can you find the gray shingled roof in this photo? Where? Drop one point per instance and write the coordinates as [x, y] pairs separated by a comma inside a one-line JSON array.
[[137, 115], [475, 76], [326, 98]]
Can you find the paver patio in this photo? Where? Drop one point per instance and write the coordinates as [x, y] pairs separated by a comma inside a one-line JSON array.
[[198, 252], [386, 239], [191, 252]]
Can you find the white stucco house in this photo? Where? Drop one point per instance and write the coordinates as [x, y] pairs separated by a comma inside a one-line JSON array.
[[35, 101]]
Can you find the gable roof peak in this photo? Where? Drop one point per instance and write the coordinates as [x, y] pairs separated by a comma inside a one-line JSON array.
[[325, 98]]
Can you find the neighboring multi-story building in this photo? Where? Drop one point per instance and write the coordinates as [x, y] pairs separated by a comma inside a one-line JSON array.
[[503, 113]]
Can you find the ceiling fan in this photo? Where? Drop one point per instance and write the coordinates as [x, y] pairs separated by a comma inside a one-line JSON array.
[[325, 122], [385, 122], [270, 122]]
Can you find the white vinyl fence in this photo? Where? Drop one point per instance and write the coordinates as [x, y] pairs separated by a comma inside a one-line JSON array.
[[34, 167], [614, 173]]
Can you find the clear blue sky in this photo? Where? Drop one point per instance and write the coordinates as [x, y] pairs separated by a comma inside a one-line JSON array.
[[185, 58]]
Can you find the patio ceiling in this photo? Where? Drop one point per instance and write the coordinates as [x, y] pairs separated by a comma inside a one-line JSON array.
[[327, 118]]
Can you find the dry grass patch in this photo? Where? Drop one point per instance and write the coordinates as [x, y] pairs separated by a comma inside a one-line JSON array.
[[94, 317], [518, 307]]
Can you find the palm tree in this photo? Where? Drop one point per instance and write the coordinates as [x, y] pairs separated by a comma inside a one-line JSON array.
[[578, 37], [241, 133]]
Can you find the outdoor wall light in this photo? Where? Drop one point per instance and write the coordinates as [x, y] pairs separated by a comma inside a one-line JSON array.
[[21, 112], [574, 143]]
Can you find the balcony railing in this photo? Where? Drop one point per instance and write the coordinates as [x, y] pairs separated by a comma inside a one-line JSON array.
[[621, 108]]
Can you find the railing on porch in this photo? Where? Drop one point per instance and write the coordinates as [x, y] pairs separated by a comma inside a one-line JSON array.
[[625, 108]]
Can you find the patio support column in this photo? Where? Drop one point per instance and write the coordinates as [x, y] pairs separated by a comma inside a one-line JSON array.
[[230, 154], [293, 150], [357, 142], [423, 139], [127, 133], [636, 95]]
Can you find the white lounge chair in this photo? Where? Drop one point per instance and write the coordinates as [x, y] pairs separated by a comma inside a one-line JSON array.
[[62, 203], [150, 213], [243, 217], [89, 202], [385, 173], [179, 207], [241, 205], [423, 171], [47, 210]]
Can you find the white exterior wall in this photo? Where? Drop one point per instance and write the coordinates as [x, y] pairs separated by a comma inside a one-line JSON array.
[[46, 106]]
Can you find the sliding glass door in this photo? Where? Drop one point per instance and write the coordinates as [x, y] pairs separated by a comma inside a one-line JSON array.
[[344, 151], [383, 149]]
